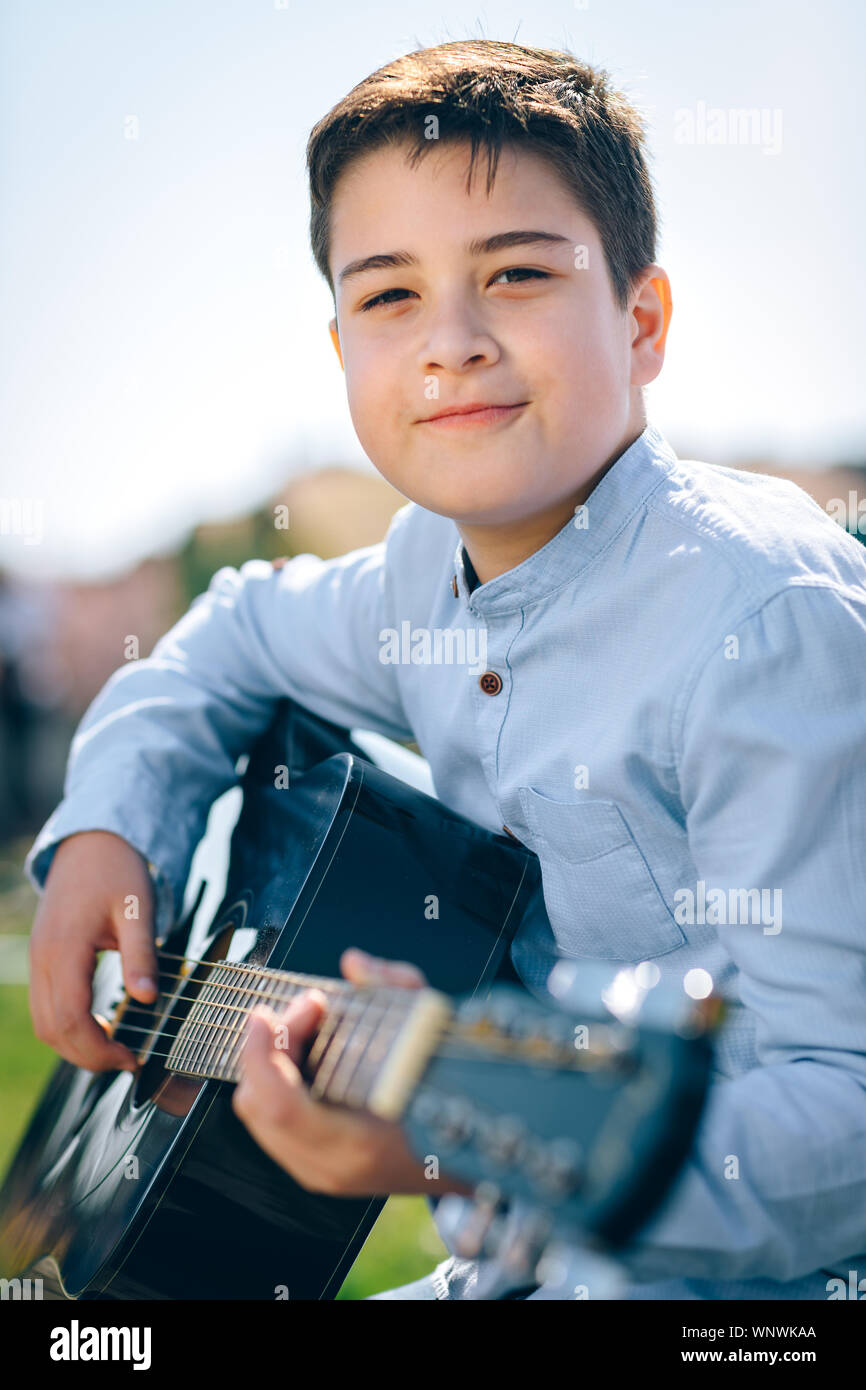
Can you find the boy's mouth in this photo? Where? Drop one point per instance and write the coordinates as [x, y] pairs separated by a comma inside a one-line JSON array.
[[473, 415]]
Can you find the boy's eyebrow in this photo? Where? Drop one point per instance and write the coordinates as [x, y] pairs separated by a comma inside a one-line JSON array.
[[486, 246]]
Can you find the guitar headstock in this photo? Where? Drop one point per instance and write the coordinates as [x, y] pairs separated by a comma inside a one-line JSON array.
[[581, 1114], [579, 1106]]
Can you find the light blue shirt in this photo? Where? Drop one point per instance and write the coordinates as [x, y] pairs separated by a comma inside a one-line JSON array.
[[679, 733]]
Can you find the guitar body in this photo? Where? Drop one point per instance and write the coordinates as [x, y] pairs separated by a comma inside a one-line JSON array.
[[148, 1186]]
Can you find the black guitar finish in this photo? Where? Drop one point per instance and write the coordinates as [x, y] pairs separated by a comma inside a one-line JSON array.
[[149, 1186]]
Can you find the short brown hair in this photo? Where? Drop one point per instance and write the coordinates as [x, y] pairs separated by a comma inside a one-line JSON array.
[[494, 93]]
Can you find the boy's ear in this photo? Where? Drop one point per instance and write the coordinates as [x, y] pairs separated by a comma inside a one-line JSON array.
[[335, 339], [663, 289]]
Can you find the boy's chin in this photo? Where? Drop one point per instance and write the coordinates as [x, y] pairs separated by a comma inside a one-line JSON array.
[[474, 495], [474, 507]]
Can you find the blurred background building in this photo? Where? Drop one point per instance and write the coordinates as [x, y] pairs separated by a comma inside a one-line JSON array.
[[59, 642]]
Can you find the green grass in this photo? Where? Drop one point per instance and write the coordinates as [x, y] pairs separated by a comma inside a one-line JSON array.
[[402, 1246], [27, 1064]]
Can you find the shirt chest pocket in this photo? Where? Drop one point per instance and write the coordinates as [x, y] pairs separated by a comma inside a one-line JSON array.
[[601, 899]]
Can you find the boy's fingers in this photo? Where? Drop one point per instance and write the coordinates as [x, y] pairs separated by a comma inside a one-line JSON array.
[[76, 1034], [364, 970], [95, 882], [284, 1034], [38, 993], [85, 1046], [137, 954], [271, 1092]]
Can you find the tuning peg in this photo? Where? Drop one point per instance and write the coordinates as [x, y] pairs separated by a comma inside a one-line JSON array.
[[426, 1106], [457, 1121], [556, 1028], [555, 1166], [472, 1226], [451, 1118], [505, 1011], [502, 1137], [472, 1010], [522, 1238]]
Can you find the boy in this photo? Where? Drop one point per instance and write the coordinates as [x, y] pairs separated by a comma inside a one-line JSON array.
[[671, 705]]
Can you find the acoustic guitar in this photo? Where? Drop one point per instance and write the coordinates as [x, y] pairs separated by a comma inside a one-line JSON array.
[[147, 1186]]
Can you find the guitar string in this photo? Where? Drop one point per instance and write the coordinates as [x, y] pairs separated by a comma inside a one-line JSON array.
[[451, 1030], [451, 1044], [298, 982], [341, 989], [464, 1050], [264, 972], [270, 972], [233, 1027], [357, 995], [358, 1006], [201, 1033], [332, 1032]]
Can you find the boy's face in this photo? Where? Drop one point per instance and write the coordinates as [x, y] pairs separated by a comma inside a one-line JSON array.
[[531, 327]]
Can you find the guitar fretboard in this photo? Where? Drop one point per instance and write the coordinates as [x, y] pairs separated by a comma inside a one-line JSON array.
[[367, 1053]]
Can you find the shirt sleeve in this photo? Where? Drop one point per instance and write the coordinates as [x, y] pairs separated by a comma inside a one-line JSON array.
[[772, 766], [162, 738]]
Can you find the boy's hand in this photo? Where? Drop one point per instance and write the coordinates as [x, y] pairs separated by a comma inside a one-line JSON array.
[[326, 1148], [82, 911]]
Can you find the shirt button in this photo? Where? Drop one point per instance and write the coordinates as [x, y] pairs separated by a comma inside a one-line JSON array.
[[490, 683]]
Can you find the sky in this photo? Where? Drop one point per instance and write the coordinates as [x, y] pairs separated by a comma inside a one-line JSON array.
[[164, 350]]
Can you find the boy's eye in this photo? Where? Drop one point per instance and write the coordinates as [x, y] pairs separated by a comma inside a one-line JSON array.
[[522, 270], [512, 270], [380, 299]]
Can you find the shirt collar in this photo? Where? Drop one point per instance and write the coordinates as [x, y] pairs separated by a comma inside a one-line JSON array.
[[615, 499]]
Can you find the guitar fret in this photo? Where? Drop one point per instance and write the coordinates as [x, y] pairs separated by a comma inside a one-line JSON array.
[[221, 994], [376, 1051], [336, 1043], [201, 1030], [346, 1083], [335, 1084], [179, 1055], [189, 1033], [174, 1061], [245, 998], [225, 1024], [279, 993], [323, 1039], [201, 1013]]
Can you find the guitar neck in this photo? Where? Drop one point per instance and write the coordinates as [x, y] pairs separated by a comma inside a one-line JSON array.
[[368, 1052]]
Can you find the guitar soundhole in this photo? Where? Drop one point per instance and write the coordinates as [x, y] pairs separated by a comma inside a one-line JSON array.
[[149, 1032], [152, 1030]]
